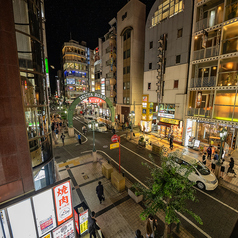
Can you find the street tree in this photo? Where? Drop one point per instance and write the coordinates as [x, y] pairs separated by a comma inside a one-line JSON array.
[[168, 191]]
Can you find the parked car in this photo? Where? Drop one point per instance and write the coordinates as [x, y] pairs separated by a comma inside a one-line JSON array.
[[102, 127], [200, 174], [88, 119]]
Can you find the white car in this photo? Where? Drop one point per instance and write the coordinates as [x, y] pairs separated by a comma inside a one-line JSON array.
[[200, 174], [88, 119], [101, 127]]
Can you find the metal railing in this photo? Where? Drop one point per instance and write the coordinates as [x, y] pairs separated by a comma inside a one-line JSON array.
[[199, 112], [202, 24], [205, 53], [203, 82]]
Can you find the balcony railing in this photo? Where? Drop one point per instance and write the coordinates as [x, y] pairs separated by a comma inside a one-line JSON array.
[[230, 45], [202, 24], [203, 82], [205, 53], [202, 112]]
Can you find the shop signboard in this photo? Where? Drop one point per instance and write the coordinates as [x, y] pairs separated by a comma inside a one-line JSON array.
[[196, 143], [63, 204], [44, 212], [170, 121], [83, 221], [165, 115], [47, 236], [65, 230], [76, 219], [114, 146]]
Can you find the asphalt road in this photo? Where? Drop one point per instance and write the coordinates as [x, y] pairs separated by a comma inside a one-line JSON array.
[[218, 209]]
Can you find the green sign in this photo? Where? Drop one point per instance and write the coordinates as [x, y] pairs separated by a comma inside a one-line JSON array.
[[46, 66]]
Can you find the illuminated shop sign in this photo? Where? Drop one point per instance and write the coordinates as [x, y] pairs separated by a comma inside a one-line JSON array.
[[170, 121], [103, 86], [95, 100], [144, 98]]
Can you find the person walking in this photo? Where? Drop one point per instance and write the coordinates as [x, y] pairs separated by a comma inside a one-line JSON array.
[[62, 138], [151, 227], [171, 142], [204, 158], [222, 168], [56, 133], [138, 234], [209, 152], [230, 169], [92, 225], [79, 139], [99, 191], [216, 157], [213, 165], [84, 130]]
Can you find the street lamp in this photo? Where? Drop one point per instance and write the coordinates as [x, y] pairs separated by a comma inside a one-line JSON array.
[[92, 126], [223, 134], [132, 118]]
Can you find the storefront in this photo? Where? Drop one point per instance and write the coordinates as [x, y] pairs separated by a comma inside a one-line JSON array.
[[208, 134], [147, 114], [167, 126]]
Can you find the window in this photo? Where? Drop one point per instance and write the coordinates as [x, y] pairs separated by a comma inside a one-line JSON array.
[[176, 83], [128, 100], [149, 86], [128, 69], [128, 53], [128, 85], [124, 100], [124, 86], [124, 55], [178, 59], [124, 70], [180, 33], [151, 44], [164, 65], [150, 65]]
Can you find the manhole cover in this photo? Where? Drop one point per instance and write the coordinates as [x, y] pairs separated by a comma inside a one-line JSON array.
[[105, 146], [85, 177]]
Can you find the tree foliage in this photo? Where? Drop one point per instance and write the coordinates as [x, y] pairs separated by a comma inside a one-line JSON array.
[[168, 190]]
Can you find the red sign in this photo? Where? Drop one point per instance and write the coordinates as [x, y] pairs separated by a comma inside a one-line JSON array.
[[95, 100], [63, 202], [114, 138]]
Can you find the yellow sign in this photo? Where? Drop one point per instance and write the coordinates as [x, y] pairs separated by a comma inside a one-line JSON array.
[[47, 236], [83, 227], [114, 146], [170, 121]]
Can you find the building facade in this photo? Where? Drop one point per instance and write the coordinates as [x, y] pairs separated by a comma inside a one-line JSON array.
[[212, 89], [26, 141], [166, 67], [130, 59], [76, 69]]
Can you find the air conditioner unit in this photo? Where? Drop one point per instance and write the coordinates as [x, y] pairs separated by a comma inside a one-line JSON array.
[[160, 52], [159, 67], [160, 44], [157, 84]]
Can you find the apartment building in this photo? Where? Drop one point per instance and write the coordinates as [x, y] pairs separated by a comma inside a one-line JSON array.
[[212, 89]]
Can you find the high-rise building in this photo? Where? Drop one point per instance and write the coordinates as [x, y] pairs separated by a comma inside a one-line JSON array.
[[76, 69], [167, 50], [130, 59], [212, 89], [25, 133]]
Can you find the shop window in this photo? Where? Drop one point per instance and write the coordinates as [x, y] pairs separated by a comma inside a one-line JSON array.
[[151, 44], [225, 97], [149, 86], [176, 83], [180, 33], [150, 65], [223, 112], [178, 59]]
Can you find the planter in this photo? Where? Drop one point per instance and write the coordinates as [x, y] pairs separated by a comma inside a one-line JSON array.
[[137, 199]]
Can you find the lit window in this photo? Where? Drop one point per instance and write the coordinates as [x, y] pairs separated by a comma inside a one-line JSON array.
[[124, 86], [124, 100], [128, 85], [128, 100]]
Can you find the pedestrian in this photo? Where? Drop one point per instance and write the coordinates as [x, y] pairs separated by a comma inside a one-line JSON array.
[[62, 138], [216, 157], [204, 158], [213, 165], [79, 139], [99, 191], [56, 133], [222, 168], [171, 142], [138, 234], [230, 169], [84, 130], [92, 225], [151, 225], [113, 131], [209, 152]]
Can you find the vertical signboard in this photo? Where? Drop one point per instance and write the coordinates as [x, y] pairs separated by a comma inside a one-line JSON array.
[[65, 230], [44, 212], [63, 204], [83, 220]]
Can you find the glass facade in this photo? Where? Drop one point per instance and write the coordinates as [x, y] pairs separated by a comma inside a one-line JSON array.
[[29, 36]]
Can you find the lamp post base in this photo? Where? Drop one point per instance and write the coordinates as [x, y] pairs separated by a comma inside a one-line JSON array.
[[94, 154], [71, 131]]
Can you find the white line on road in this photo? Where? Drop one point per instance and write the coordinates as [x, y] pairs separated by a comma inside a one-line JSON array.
[[81, 135], [194, 186]]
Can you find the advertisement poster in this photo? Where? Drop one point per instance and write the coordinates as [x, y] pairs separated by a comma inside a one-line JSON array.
[[83, 220], [199, 100], [63, 204], [47, 236], [44, 212], [65, 231], [76, 219]]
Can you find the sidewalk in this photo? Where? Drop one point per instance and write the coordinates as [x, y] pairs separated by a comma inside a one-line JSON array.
[[118, 216], [227, 181]]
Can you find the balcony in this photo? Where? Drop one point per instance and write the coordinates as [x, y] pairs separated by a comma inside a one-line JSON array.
[[205, 53], [203, 82], [199, 112], [230, 45]]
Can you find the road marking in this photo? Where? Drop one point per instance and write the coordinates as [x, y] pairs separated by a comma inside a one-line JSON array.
[[194, 186], [185, 218]]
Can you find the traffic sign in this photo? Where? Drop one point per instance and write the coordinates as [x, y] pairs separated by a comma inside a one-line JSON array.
[[114, 146], [114, 138]]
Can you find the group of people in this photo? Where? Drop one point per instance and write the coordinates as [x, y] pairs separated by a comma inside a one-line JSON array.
[[56, 127], [214, 161]]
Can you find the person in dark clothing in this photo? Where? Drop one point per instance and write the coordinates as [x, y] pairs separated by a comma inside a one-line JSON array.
[[230, 169], [99, 191], [62, 138], [79, 139], [204, 158], [171, 142], [113, 131], [92, 225], [138, 234], [209, 152]]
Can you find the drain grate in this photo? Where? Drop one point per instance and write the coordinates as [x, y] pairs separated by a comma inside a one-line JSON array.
[[85, 177]]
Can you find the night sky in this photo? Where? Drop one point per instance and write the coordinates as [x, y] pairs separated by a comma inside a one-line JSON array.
[[86, 20]]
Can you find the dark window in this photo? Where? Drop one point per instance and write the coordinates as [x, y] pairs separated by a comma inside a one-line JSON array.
[[178, 59], [124, 86], [128, 53], [164, 65], [180, 33], [149, 86], [124, 37], [128, 34], [151, 44], [150, 65], [128, 69], [124, 55], [175, 83], [124, 70]]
